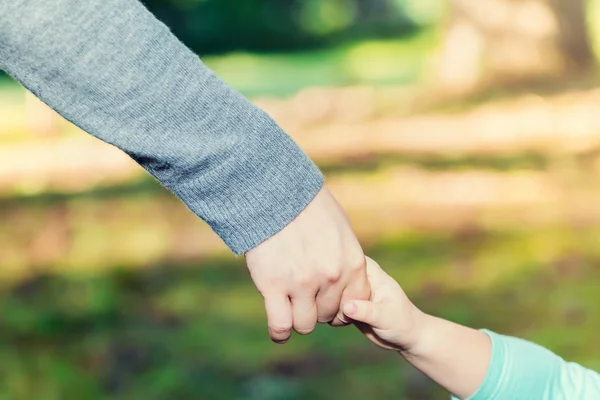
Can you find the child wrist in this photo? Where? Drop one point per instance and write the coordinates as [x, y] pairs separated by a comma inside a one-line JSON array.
[[416, 344]]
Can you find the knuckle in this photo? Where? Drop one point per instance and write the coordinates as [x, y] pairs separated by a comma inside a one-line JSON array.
[[357, 264], [326, 312], [333, 276], [328, 304], [305, 281], [305, 331], [279, 330]]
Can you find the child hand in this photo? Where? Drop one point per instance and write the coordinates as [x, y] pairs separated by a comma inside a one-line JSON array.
[[388, 319]]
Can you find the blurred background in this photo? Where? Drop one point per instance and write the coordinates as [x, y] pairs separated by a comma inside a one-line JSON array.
[[461, 136]]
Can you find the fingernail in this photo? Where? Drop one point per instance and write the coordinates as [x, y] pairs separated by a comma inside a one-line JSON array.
[[349, 308]]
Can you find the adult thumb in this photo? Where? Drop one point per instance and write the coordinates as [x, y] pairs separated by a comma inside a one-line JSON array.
[[363, 311]]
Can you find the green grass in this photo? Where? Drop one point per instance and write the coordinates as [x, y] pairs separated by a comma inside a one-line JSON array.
[[137, 329], [197, 330]]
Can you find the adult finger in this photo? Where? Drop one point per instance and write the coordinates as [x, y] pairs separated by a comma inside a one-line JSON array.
[[279, 316], [328, 303], [375, 274], [304, 311], [358, 289]]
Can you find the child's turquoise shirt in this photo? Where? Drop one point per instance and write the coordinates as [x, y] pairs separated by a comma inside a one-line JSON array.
[[521, 370]]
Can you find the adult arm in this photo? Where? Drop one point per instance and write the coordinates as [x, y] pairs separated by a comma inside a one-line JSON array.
[[118, 73], [114, 70]]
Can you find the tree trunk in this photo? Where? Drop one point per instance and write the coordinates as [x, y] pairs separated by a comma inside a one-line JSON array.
[[495, 42]]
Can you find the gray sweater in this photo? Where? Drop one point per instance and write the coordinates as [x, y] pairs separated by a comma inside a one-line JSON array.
[[114, 70]]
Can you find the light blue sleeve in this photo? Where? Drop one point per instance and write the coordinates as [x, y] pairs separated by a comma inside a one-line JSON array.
[[521, 370]]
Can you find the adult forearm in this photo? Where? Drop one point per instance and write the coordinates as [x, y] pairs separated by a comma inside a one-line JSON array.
[[118, 73]]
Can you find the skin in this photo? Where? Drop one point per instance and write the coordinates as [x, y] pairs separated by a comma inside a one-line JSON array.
[[454, 356], [308, 270]]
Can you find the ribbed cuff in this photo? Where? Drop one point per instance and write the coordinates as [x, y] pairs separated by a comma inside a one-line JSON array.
[[114, 70], [257, 191]]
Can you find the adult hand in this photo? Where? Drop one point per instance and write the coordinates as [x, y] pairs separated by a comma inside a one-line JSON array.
[[309, 270]]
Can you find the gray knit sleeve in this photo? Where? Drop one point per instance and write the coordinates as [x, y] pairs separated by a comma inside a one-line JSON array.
[[114, 70]]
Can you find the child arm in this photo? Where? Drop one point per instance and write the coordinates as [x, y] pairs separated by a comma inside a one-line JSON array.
[[453, 356], [522, 370], [470, 364]]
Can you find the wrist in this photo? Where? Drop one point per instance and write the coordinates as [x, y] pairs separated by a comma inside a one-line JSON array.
[[417, 343], [454, 356]]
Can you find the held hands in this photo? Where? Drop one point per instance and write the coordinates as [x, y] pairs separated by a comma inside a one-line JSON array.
[[308, 270], [455, 357], [314, 266], [388, 318]]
